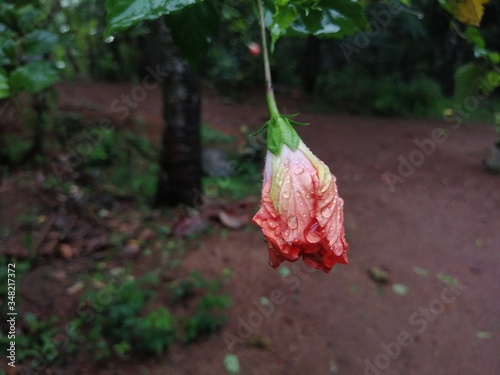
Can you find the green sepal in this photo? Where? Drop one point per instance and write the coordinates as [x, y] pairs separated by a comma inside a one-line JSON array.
[[296, 123], [293, 122], [260, 130], [280, 131]]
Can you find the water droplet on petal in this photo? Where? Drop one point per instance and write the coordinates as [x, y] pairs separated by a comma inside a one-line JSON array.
[[308, 196], [286, 248], [286, 194], [292, 222], [326, 212], [298, 171], [286, 232], [288, 180], [312, 234]]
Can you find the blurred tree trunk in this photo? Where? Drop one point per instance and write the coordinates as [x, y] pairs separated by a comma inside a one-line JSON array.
[[311, 64], [179, 180], [40, 108]]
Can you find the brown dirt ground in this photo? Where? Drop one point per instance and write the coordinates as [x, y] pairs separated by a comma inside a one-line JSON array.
[[443, 218]]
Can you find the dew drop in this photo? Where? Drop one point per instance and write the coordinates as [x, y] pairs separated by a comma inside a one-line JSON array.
[[292, 222], [299, 171], [308, 196], [286, 232], [286, 194], [326, 212], [287, 248], [288, 180], [312, 235]]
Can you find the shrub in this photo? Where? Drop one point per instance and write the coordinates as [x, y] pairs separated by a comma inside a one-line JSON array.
[[363, 94]]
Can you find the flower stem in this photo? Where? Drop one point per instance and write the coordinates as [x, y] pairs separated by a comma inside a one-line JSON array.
[[271, 101]]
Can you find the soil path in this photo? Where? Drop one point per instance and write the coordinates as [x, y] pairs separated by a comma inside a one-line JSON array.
[[443, 217]]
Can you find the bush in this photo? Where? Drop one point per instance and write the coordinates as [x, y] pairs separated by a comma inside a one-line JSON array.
[[232, 70], [360, 93], [421, 97], [347, 89]]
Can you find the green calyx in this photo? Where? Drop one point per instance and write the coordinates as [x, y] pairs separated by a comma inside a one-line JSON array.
[[280, 131]]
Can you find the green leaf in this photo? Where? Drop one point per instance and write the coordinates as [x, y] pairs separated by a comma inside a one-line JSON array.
[[491, 81], [420, 271], [232, 364], [122, 14], [39, 42], [484, 335], [400, 289], [283, 18], [193, 29], [264, 301], [467, 80], [473, 35], [324, 18], [4, 86], [284, 271], [494, 57], [30, 17], [7, 50], [33, 77], [8, 15], [447, 279]]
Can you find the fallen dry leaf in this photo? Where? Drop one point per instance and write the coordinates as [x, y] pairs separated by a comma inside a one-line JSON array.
[[59, 275], [66, 251], [378, 275], [231, 220], [75, 288], [132, 248], [189, 225]]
